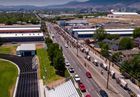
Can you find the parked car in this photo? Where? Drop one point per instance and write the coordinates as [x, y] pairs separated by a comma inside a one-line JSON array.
[[88, 57], [66, 45], [88, 75], [77, 78], [103, 93], [88, 95], [67, 64], [71, 70], [82, 87], [95, 62]]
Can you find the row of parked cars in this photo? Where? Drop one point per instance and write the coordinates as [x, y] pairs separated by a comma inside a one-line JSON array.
[[77, 78], [80, 84]]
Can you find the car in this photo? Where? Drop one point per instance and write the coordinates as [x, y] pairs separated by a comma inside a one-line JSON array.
[[71, 70], [67, 64], [66, 45], [103, 93], [77, 78], [95, 62], [88, 95], [88, 74], [82, 87]]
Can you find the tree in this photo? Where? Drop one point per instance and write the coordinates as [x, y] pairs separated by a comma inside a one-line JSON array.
[[136, 32], [104, 50], [112, 36], [59, 63], [100, 34], [116, 57], [126, 43]]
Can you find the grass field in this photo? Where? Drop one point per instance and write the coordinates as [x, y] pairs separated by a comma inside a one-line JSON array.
[[8, 75], [8, 49], [47, 71]]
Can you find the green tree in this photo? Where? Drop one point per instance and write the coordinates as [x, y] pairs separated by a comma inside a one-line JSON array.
[[112, 36], [100, 34], [126, 43], [136, 32], [116, 57], [104, 50]]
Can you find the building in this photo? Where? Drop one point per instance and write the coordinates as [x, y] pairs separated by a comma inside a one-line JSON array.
[[66, 89], [115, 14], [21, 33], [89, 33], [26, 50]]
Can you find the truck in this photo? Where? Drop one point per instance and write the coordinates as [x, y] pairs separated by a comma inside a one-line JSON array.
[[123, 83], [112, 73]]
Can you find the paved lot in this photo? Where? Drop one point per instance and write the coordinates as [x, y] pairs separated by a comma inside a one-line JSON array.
[[28, 83]]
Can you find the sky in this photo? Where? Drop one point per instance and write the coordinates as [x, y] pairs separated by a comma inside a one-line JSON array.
[[35, 2]]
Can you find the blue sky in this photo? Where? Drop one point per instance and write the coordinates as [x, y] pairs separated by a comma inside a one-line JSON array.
[[34, 2]]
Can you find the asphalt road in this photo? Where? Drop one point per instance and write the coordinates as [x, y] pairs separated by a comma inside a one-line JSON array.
[[28, 82], [90, 84], [76, 64]]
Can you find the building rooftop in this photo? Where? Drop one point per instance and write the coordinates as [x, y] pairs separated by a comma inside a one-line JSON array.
[[19, 28], [26, 47], [5, 35], [124, 13], [64, 90]]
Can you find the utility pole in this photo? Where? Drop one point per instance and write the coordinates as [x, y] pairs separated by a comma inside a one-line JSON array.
[[77, 46], [108, 75]]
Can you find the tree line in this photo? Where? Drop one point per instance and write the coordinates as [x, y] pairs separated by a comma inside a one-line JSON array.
[[18, 18], [56, 56]]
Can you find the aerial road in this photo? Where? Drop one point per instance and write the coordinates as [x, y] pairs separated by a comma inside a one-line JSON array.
[[78, 62]]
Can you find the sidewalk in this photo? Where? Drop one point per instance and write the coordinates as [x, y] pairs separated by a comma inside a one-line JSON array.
[[115, 68]]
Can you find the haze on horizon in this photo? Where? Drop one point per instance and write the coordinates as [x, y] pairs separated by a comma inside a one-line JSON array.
[[35, 2]]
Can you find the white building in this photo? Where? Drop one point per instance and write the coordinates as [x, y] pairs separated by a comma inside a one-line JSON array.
[[26, 50], [115, 14], [89, 33], [66, 89]]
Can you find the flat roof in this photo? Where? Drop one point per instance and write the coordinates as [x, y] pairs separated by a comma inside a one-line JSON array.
[[19, 28], [66, 89], [124, 13], [26, 47], [130, 29], [5, 35], [83, 33]]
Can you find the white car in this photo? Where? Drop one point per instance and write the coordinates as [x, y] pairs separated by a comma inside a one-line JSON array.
[[66, 45], [77, 78], [67, 64]]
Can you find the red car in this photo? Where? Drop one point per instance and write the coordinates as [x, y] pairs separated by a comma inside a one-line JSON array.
[[82, 87], [88, 95], [88, 75]]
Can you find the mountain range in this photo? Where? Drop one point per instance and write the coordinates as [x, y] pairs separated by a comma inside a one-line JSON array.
[[101, 4], [104, 4]]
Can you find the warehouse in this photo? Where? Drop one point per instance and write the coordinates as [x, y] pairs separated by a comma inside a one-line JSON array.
[[22, 33], [89, 33], [26, 50]]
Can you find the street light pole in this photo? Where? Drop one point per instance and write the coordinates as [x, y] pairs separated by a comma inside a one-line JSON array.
[[108, 75]]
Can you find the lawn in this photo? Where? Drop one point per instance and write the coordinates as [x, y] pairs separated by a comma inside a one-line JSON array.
[[47, 71], [8, 75], [8, 49]]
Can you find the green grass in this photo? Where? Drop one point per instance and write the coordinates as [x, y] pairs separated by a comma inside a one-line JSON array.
[[8, 75], [7, 49], [47, 71]]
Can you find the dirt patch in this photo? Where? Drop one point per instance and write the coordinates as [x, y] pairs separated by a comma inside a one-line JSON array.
[[56, 83], [39, 46]]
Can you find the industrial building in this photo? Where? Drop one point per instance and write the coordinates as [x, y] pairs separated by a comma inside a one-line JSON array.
[[115, 14], [26, 50], [89, 33], [22, 33]]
